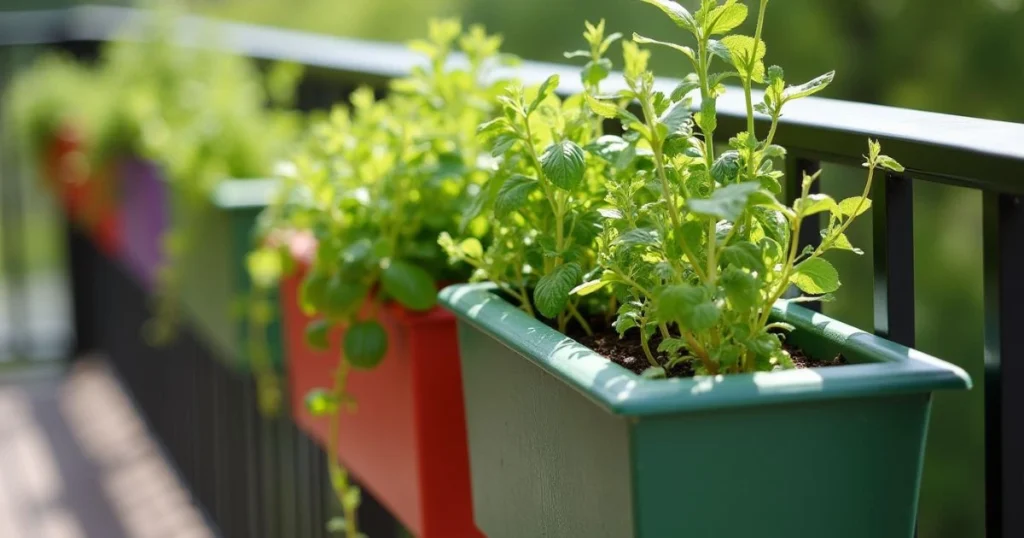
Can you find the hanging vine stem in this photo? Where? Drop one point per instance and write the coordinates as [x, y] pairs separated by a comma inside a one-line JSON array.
[[160, 329], [347, 494], [268, 384]]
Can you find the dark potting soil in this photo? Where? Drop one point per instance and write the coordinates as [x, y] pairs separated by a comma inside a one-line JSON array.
[[628, 352]]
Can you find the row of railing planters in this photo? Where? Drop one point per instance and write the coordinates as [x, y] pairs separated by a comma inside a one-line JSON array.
[[509, 425]]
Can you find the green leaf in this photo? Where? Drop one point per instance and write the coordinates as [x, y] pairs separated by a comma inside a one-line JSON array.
[[484, 198], [654, 372], [410, 285], [604, 109], [671, 345], [320, 402], [366, 343], [741, 288], [613, 149], [623, 324], [513, 194], [648, 41], [336, 525], [638, 237], [764, 344], [774, 224], [814, 203], [548, 86], [726, 355], [727, 17], [587, 288], [717, 48], [497, 124], [690, 306], [743, 254], [741, 51], [552, 291], [809, 88], [730, 201], [316, 334], [502, 144], [689, 84], [854, 206], [351, 499], [816, 276], [313, 292], [675, 117], [889, 163], [472, 247], [563, 164], [726, 167], [678, 14], [841, 242], [265, 267], [594, 72], [707, 118], [342, 297]]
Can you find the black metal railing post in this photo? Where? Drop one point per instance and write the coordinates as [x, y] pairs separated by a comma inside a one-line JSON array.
[[1004, 364], [893, 241]]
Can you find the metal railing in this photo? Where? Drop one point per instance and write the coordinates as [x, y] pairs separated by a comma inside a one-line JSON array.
[[983, 155]]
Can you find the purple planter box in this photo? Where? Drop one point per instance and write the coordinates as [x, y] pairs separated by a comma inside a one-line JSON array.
[[145, 208]]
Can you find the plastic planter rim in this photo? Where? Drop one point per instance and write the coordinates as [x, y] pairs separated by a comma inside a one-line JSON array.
[[880, 366]]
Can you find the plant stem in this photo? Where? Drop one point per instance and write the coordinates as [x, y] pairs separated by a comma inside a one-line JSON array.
[[643, 342], [583, 322], [339, 475], [647, 351], [709, 153], [842, 228], [794, 245], [524, 297], [700, 352], [666, 191], [552, 196]]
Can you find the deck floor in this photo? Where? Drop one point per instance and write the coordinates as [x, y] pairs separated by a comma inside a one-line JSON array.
[[76, 461]]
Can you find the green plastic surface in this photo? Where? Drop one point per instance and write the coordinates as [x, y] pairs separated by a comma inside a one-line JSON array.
[[215, 282], [564, 443]]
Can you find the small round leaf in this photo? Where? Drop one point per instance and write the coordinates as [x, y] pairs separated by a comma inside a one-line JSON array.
[[366, 342], [342, 298], [410, 285], [316, 334], [320, 402], [312, 292]]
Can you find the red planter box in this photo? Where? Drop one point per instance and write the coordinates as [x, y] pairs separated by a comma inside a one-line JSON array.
[[88, 196], [406, 441]]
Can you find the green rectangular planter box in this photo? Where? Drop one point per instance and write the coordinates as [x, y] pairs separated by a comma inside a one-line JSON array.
[[215, 281], [566, 444]]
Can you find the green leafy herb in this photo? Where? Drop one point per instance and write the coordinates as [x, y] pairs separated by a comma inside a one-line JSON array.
[[689, 242], [375, 183]]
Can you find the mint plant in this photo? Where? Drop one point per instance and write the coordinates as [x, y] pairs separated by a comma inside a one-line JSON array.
[[692, 247], [544, 196], [375, 183]]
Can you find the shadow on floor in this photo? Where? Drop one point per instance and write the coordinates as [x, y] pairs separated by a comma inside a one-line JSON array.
[[76, 461]]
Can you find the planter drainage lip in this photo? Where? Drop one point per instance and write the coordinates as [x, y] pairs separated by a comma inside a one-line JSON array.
[[880, 367]]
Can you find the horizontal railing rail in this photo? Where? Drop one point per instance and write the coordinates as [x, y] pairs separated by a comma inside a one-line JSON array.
[[969, 152], [980, 154]]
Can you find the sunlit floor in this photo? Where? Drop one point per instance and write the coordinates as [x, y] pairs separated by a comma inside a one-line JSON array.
[[77, 462]]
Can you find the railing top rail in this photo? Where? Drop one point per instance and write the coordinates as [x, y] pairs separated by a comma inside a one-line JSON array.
[[970, 152]]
